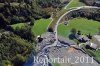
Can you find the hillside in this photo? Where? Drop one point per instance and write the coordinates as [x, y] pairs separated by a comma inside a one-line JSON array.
[[17, 43], [13, 49]]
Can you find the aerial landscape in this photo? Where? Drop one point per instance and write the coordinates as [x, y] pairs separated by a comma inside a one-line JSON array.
[[49, 32]]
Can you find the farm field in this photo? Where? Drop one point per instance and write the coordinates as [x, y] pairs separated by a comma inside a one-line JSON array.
[[84, 25], [40, 26]]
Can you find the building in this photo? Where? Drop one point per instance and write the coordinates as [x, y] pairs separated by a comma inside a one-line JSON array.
[[96, 40]]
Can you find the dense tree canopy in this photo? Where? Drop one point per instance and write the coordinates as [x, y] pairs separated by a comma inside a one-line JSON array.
[[48, 3], [12, 13], [91, 2], [12, 47], [25, 33]]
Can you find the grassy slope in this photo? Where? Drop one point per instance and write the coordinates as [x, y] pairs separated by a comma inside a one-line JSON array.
[[95, 54], [85, 25], [75, 3], [40, 26], [19, 25]]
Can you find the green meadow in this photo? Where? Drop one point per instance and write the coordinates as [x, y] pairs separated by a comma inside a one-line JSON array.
[[84, 25], [40, 26], [75, 3]]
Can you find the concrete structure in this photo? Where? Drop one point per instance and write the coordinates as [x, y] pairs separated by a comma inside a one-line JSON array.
[[96, 40]]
